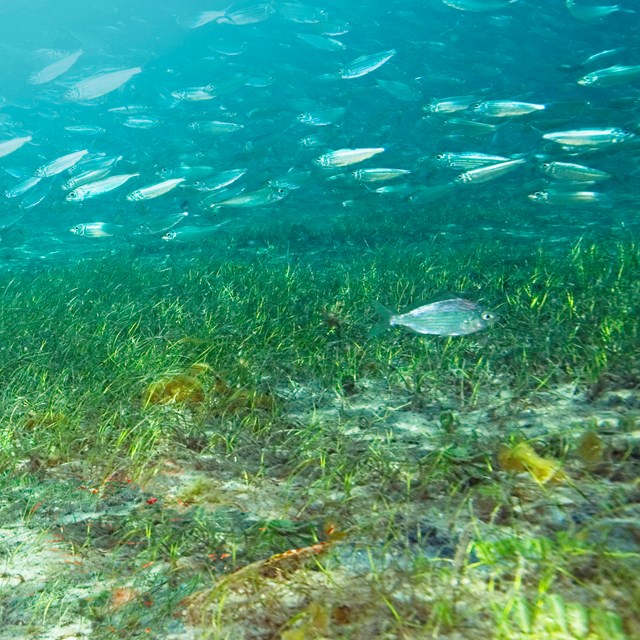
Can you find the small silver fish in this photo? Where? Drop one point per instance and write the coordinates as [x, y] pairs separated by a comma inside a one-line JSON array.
[[489, 172], [571, 171], [100, 84], [93, 189], [617, 74], [593, 138], [366, 64], [505, 108], [345, 157], [154, 190], [455, 317], [97, 229], [54, 167]]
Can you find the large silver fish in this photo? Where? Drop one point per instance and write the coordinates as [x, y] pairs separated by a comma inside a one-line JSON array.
[[100, 84], [455, 317]]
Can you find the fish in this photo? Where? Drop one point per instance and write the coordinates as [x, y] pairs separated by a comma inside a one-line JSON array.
[[573, 171], [97, 229], [379, 174], [55, 69], [215, 127], [564, 198], [100, 84], [259, 198], [60, 164], [162, 225], [478, 5], [195, 94], [324, 43], [505, 108], [450, 105], [345, 157], [468, 159], [85, 177], [154, 190], [454, 317], [219, 181], [593, 138], [9, 146], [588, 12], [322, 117], [366, 64], [190, 233], [617, 74], [489, 172], [22, 187], [93, 189]]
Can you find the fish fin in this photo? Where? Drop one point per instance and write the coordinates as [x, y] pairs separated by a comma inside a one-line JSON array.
[[385, 319]]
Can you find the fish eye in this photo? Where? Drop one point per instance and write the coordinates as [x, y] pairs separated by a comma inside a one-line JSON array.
[[440, 156], [476, 105], [488, 316], [72, 195]]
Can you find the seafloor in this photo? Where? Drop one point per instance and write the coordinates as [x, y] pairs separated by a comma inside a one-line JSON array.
[[201, 441]]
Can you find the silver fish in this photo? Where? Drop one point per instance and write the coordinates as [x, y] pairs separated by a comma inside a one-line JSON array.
[[219, 181], [60, 164], [345, 157], [154, 190], [97, 229], [563, 198], [322, 117], [588, 12], [366, 64], [478, 5], [468, 159], [100, 84], [22, 187], [593, 138], [490, 172], [257, 198], [55, 69], [378, 174], [204, 17], [185, 234], [505, 108], [9, 146], [572, 171], [84, 178], [195, 94], [617, 74], [455, 317], [324, 43], [162, 225], [215, 127], [248, 15], [450, 105], [93, 189]]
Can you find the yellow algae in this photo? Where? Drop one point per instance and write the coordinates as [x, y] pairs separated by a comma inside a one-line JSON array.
[[238, 400], [179, 389], [522, 457], [590, 448]]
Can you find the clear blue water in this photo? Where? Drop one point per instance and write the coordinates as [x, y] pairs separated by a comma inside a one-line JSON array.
[[263, 75]]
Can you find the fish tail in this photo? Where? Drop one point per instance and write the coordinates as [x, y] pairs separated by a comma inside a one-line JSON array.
[[385, 319]]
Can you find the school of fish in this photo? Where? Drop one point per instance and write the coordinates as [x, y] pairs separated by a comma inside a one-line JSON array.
[[160, 125]]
